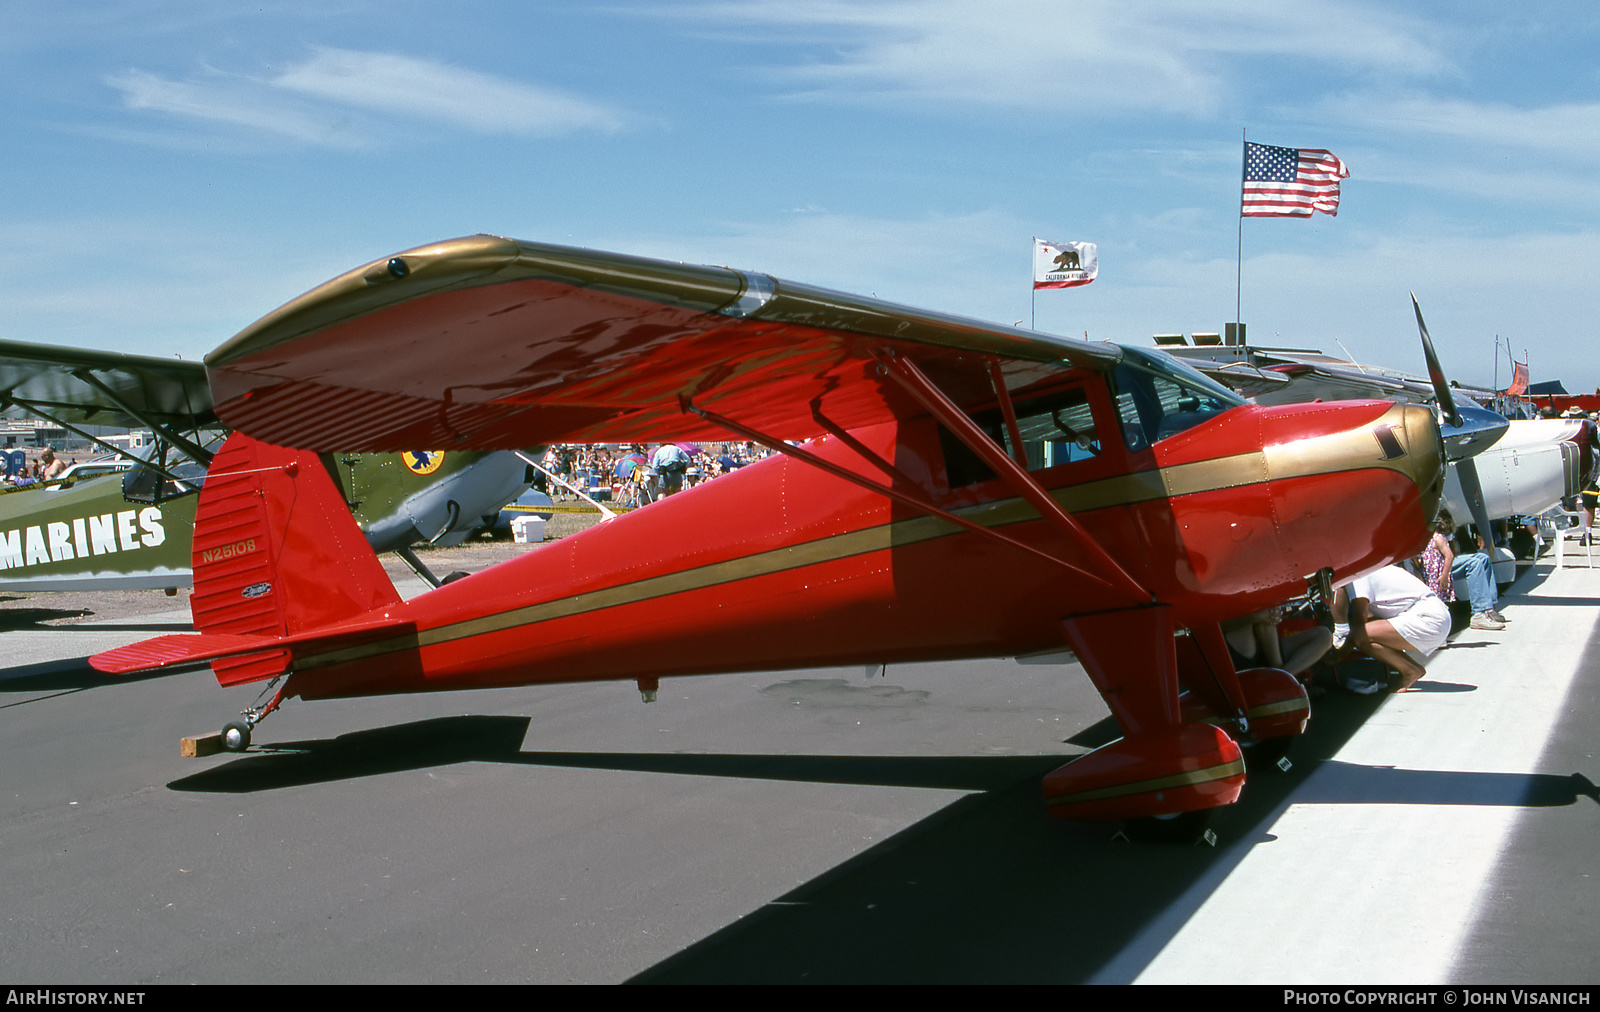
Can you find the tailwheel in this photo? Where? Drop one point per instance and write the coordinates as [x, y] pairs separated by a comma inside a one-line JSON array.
[[236, 736], [1183, 828]]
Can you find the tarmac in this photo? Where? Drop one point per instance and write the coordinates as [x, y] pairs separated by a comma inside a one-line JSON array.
[[788, 826]]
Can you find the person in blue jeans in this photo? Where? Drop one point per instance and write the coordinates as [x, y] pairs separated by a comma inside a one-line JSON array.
[[1472, 569]]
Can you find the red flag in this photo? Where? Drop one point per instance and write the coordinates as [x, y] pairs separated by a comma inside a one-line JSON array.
[[1519, 380]]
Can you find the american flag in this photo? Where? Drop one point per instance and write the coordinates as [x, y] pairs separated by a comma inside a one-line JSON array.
[[1290, 182]]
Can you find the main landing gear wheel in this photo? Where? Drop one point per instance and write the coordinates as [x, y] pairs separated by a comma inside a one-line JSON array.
[[236, 736], [1184, 828]]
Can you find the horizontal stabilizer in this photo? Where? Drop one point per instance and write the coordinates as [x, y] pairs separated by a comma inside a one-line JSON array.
[[268, 655], [166, 651]]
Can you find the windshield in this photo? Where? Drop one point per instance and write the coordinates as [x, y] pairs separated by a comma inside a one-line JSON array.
[[1158, 397]]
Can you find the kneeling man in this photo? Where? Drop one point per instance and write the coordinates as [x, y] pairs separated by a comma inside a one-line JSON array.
[[1390, 612]]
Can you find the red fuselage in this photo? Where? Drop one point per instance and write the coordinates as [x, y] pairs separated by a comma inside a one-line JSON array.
[[782, 565]]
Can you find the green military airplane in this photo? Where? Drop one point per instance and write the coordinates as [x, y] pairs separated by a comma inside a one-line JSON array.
[[128, 522]]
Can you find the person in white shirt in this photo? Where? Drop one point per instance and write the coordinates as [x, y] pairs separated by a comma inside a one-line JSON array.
[[1391, 612]]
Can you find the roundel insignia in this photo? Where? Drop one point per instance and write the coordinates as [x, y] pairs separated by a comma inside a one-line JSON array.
[[423, 461]]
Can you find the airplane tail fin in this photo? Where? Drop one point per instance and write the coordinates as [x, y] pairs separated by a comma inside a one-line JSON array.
[[276, 555]]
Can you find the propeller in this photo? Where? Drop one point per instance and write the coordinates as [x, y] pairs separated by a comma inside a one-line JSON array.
[[1441, 386], [1466, 431]]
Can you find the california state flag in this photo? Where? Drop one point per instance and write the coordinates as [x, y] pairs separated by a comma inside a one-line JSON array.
[[1064, 264]]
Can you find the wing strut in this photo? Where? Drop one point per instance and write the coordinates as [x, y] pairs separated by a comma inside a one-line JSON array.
[[844, 436], [903, 498], [953, 418], [35, 410], [997, 379]]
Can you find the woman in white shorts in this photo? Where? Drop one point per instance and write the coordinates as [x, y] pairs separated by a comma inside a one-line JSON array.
[[1391, 612]]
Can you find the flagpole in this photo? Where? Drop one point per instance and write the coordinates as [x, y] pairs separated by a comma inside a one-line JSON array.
[[1238, 273], [1033, 289]]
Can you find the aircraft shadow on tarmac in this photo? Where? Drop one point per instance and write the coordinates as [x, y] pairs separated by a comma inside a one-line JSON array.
[[989, 888], [71, 675], [446, 741], [12, 619], [20, 618]]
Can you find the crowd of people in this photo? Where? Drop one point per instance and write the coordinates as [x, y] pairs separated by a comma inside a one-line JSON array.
[[21, 471], [639, 474]]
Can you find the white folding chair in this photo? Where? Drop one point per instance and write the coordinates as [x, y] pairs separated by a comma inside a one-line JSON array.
[[1574, 530]]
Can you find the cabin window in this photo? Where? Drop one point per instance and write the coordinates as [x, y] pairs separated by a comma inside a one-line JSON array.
[[1056, 428]]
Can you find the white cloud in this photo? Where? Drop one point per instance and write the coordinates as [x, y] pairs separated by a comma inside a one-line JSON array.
[[1565, 130], [229, 101], [1169, 56], [1533, 288], [1554, 194], [951, 263], [1518, 156], [425, 89], [348, 99]]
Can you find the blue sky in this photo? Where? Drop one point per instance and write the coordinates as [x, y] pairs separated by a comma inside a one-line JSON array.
[[174, 171]]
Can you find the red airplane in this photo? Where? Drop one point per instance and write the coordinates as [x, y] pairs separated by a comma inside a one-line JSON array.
[[959, 490]]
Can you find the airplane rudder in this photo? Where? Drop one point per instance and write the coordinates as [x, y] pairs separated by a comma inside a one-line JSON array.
[[232, 553], [276, 550]]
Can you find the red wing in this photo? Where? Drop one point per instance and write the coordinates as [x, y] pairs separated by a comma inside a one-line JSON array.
[[488, 343]]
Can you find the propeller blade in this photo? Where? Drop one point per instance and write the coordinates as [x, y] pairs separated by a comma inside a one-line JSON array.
[[1441, 386]]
